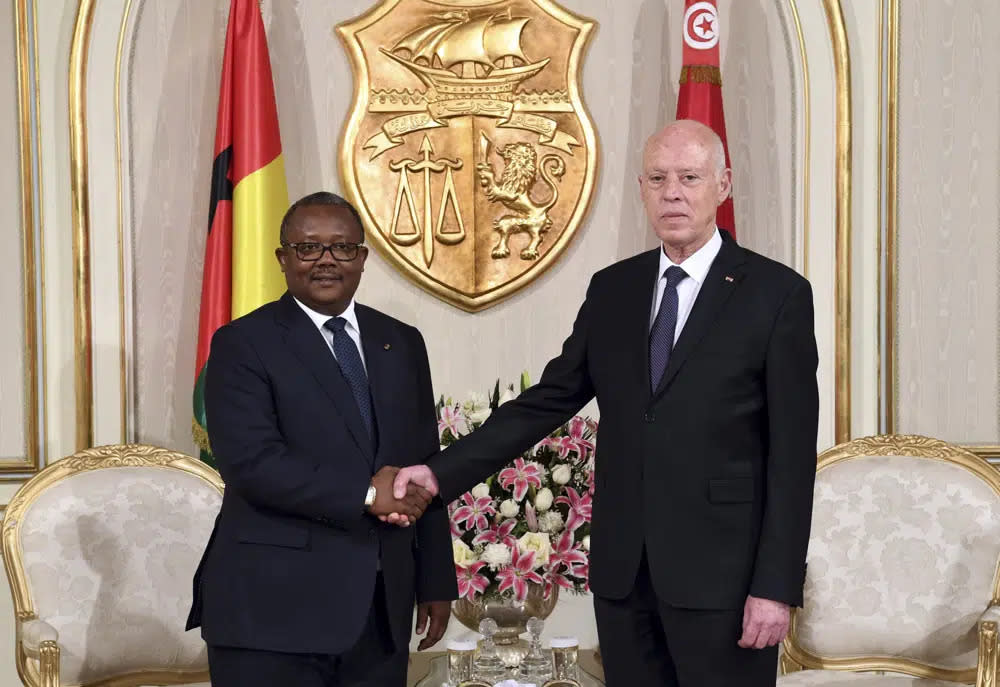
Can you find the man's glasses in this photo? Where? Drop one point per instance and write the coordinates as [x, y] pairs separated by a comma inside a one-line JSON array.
[[309, 251]]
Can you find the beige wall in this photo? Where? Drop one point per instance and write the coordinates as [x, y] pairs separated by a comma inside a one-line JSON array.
[[947, 315], [144, 316]]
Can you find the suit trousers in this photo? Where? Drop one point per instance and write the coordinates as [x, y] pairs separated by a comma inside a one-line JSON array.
[[374, 661], [645, 641]]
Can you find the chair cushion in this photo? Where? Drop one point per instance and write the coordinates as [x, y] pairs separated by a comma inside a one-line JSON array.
[[109, 555], [902, 560], [842, 677]]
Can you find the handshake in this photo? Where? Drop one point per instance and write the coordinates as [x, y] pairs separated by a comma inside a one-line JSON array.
[[402, 494]]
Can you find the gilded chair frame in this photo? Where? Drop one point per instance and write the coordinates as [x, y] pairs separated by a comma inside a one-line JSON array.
[[795, 658], [43, 671]]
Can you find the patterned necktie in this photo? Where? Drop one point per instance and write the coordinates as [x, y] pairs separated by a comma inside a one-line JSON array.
[[350, 363], [661, 334]]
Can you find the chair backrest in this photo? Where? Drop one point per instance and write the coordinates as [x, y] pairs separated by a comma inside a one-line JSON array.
[[103, 546], [902, 559]]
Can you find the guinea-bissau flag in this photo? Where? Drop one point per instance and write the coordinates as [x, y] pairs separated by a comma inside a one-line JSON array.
[[249, 195], [700, 95]]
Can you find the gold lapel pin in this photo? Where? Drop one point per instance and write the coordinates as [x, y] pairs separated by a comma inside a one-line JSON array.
[[387, 346]]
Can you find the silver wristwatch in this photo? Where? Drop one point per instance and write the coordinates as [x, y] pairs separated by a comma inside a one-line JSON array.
[[370, 496]]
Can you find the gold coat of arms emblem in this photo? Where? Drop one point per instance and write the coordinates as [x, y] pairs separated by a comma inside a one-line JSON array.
[[469, 152]]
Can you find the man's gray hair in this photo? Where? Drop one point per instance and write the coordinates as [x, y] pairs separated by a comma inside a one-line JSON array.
[[713, 142]]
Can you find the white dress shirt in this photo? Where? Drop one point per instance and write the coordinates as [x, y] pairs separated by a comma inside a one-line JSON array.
[[696, 267], [352, 329]]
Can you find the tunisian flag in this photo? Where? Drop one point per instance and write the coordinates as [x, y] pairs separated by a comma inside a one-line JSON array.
[[249, 194], [700, 95]]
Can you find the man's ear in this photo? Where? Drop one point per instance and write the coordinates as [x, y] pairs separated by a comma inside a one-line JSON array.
[[725, 185]]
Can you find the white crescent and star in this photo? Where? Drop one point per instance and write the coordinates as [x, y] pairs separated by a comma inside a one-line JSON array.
[[701, 26]]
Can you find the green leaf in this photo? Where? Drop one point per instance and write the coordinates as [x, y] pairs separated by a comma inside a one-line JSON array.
[[525, 380]]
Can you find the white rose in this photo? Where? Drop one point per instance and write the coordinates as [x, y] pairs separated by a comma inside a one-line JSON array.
[[479, 415], [551, 522], [476, 402], [562, 474], [480, 490], [462, 554], [586, 542], [496, 555], [543, 499], [507, 395], [509, 508], [537, 542]]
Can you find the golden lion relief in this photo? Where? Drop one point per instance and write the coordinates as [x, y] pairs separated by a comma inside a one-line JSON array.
[[514, 190]]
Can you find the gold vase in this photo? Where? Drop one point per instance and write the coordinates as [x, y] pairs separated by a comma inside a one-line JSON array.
[[511, 617]]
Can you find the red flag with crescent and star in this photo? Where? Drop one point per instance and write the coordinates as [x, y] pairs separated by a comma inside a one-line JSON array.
[[700, 95]]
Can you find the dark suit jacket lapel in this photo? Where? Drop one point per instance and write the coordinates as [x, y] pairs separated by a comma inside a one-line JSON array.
[[308, 345], [637, 300], [384, 375], [723, 277]]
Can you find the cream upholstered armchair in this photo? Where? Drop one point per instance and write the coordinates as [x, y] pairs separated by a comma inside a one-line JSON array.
[[902, 579], [100, 549]]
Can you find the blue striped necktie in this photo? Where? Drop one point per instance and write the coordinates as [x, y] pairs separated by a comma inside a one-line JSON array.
[[353, 368], [661, 334]]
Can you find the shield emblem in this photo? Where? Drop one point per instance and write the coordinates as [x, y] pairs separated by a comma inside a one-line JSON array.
[[468, 152]]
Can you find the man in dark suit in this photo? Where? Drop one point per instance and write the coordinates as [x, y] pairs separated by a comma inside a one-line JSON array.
[[702, 357], [309, 399]]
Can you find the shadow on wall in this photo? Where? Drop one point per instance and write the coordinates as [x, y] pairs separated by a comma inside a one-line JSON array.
[[299, 135], [763, 209], [652, 105], [171, 151]]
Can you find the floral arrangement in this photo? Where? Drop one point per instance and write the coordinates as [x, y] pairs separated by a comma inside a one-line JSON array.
[[529, 524]]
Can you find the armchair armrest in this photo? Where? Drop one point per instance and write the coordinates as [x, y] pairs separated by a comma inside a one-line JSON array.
[[40, 641], [989, 623], [34, 632]]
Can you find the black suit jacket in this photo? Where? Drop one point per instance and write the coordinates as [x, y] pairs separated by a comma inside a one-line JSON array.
[[291, 565], [713, 473]]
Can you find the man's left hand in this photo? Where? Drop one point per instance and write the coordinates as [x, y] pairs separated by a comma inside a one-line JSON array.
[[765, 623], [438, 613]]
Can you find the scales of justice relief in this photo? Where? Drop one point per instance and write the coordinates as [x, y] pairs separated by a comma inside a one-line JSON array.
[[469, 152]]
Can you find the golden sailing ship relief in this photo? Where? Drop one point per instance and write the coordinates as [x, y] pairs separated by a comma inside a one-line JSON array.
[[468, 151]]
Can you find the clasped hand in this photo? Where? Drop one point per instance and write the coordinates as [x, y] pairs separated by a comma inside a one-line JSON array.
[[402, 495], [401, 507]]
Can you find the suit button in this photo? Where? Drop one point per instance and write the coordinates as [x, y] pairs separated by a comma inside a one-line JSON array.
[[649, 416], [371, 531]]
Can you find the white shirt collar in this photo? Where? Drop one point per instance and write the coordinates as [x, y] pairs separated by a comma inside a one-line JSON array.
[[697, 265], [319, 319]]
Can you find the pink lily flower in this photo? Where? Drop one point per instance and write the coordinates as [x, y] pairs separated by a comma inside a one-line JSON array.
[[580, 508], [577, 428], [470, 582], [566, 552], [521, 476], [475, 513], [552, 579], [518, 574], [498, 533], [450, 420], [575, 441]]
